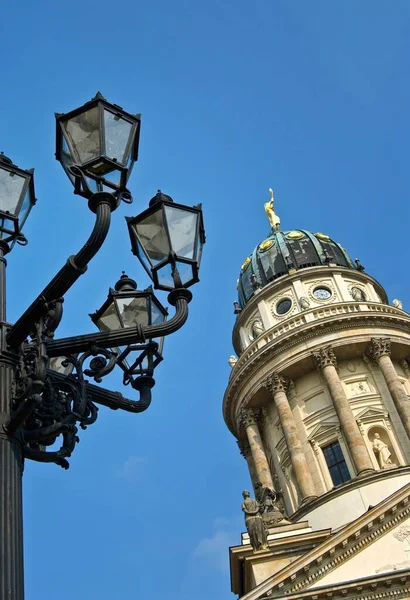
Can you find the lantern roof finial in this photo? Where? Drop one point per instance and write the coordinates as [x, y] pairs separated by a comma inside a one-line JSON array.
[[125, 283], [5, 159]]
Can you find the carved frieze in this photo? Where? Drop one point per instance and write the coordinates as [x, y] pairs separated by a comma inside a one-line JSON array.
[[358, 388]]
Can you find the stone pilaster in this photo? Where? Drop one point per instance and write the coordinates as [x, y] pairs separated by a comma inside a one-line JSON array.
[[326, 363], [249, 422], [278, 386], [379, 351]]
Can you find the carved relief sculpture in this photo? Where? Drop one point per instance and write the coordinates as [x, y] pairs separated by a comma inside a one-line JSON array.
[[254, 522], [257, 328], [304, 303], [397, 304], [232, 360], [267, 498], [405, 366], [382, 452]]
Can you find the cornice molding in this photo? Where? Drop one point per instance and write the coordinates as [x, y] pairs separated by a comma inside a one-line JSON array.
[[346, 487], [261, 357], [341, 546], [380, 587]]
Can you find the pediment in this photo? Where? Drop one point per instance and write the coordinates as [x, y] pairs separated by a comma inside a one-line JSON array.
[[372, 413], [323, 430], [376, 543]]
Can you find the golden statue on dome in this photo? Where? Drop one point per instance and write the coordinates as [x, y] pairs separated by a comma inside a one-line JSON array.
[[270, 211]]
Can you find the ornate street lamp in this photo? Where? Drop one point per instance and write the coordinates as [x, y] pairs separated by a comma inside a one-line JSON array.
[[16, 200], [128, 307], [167, 238], [97, 145], [45, 394]]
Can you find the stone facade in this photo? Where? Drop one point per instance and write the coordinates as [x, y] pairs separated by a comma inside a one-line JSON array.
[[329, 381]]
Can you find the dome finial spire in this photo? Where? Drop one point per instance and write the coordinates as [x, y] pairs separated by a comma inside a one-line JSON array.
[[270, 211]]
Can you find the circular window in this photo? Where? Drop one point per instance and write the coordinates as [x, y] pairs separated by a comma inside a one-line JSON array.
[[283, 306], [322, 293]]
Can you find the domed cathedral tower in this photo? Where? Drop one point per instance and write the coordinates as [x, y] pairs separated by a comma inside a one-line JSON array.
[[318, 400]]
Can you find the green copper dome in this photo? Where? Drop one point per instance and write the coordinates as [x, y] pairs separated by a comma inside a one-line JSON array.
[[283, 252]]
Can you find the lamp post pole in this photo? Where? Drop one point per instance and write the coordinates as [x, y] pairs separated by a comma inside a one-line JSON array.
[[42, 402], [11, 468]]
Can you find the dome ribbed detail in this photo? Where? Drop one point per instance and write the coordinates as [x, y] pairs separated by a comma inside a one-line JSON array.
[[283, 252]]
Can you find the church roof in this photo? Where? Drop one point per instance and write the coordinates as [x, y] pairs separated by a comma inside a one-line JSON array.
[[282, 252]]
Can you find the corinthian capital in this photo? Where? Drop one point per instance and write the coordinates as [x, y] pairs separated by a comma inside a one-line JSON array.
[[324, 357], [379, 347], [248, 417], [244, 448], [277, 383]]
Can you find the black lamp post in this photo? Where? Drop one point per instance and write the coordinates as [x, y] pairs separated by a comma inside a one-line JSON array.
[[44, 392]]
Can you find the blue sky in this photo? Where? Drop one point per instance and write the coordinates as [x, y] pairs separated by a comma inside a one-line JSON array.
[[311, 98]]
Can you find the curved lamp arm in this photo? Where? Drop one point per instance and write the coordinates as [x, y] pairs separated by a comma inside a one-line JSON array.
[[103, 204], [179, 298], [115, 400]]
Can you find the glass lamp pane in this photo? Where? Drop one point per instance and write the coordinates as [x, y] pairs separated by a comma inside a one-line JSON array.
[[109, 320], [11, 186], [143, 257], [26, 207], [157, 316], [117, 133], [182, 230], [83, 131], [153, 237], [7, 228], [185, 272], [113, 175], [165, 277], [133, 311], [66, 158]]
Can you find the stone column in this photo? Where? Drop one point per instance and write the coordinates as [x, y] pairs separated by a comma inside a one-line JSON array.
[[325, 360], [379, 351], [278, 386], [245, 451], [261, 465]]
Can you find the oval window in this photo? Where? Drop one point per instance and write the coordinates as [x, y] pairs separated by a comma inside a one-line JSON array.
[[322, 293], [283, 306]]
